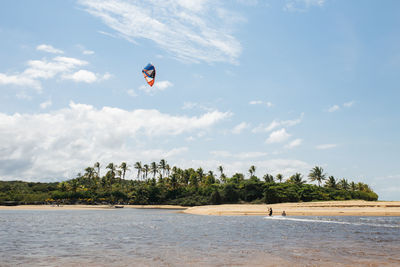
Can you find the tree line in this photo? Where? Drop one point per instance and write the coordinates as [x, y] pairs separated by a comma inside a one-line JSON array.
[[158, 183]]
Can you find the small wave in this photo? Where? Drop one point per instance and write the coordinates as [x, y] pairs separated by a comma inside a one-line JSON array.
[[284, 218]]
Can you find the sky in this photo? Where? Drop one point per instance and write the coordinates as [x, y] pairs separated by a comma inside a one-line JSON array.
[[282, 85]]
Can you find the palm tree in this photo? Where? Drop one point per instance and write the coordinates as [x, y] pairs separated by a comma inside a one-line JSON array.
[[168, 169], [162, 166], [353, 186], [331, 182], [97, 165], [89, 172], [138, 167], [317, 174], [344, 184], [111, 166], [222, 176], [279, 177], [252, 170], [124, 167], [297, 178], [146, 170], [268, 178], [153, 168], [200, 173]]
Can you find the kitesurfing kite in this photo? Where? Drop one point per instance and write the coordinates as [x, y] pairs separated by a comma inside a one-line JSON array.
[[149, 73]]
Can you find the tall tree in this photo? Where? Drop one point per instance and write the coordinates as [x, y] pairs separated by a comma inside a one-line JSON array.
[[111, 167], [344, 184], [89, 172], [297, 178], [317, 174], [268, 178], [331, 182], [252, 170], [138, 167], [146, 170], [154, 169], [97, 166], [222, 174], [162, 166], [279, 177], [124, 168]]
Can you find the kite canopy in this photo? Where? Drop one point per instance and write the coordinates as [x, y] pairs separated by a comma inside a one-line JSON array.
[[149, 73]]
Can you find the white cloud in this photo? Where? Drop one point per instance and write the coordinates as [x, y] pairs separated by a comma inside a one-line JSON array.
[[88, 52], [49, 49], [294, 143], [276, 124], [157, 87], [44, 69], [255, 102], [81, 76], [333, 108], [240, 127], [259, 102], [302, 5], [191, 30], [46, 104], [326, 146], [240, 155], [278, 136], [62, 142], [348, 104]]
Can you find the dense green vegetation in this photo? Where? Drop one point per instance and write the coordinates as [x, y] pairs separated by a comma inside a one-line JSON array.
[[160, 184]]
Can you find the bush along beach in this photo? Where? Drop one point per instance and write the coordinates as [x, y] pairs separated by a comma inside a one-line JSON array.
[[157, 183]]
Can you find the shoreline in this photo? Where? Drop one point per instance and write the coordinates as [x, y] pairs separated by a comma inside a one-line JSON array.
[[88, 207], [324, 208]]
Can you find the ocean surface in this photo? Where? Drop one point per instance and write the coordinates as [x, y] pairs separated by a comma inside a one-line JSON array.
[[149, 237]]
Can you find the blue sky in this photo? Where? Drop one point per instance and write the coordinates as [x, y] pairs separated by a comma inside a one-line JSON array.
[[282, 85]]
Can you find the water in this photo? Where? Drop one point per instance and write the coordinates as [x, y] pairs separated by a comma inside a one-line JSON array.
[[137, 237]]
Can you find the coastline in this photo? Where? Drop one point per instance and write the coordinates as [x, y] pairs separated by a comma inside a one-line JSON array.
[[324, 208], [87, 207]]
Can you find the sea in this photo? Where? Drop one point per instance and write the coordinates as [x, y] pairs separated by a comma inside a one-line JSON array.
[[155, 237]]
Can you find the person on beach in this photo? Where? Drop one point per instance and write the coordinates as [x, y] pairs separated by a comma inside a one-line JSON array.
[[283, 213], [270, 212]]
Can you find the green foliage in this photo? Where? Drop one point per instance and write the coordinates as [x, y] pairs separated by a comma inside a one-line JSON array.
[[186, 187]]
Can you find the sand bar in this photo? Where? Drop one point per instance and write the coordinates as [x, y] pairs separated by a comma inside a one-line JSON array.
[[328, 208]]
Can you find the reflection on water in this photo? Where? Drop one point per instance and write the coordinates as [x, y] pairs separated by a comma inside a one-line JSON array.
[[131, 237]]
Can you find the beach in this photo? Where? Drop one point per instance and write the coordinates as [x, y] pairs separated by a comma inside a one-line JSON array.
[[326, 208]]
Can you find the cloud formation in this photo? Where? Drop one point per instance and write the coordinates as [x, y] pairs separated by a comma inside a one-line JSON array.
[[325, 146], [192, 31], [49, 49], [61, 143], [262, 128], [240, 127], [157, 87], [294, 143], [60, 66], [278, 136]]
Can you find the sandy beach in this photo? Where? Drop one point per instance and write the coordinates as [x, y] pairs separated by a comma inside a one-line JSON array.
[[328, 208]]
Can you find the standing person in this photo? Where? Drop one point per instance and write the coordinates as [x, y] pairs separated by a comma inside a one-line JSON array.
[[270, 211]]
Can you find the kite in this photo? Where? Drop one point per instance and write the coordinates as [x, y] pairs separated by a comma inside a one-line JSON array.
[[149, 73]]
